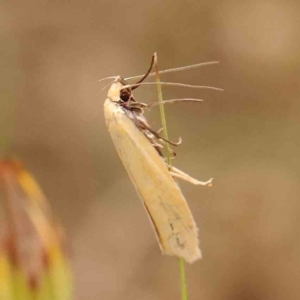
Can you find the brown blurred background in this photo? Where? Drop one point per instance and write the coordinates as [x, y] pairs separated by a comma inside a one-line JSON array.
[[51, 113]]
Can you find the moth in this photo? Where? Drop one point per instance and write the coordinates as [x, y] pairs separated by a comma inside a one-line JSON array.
[[140, 150]]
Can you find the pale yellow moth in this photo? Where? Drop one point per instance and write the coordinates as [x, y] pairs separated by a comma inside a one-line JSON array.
[[140, 151]]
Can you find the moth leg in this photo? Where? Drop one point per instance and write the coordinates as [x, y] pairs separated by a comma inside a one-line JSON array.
[[144, 125], [172, 152], [137, 105], [159, 130], [181, 175], [158, 147]]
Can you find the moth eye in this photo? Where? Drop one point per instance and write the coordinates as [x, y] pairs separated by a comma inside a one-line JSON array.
[[125, 95]]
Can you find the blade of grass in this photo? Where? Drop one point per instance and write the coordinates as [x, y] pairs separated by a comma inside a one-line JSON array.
[[162, 109], [168, 156]]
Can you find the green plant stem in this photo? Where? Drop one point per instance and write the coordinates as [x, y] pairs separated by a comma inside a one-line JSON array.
[[168, 156], [182, 279], [162, 110]]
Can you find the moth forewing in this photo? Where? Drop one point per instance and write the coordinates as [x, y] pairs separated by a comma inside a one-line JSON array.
[[167, 208]]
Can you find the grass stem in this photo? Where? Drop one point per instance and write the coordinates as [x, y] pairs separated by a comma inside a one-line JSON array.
[[168, 156]]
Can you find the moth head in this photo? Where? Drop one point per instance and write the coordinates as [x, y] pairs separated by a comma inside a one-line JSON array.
[[118, 92]]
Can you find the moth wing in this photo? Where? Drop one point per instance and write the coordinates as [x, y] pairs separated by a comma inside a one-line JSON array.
[[166, 206]]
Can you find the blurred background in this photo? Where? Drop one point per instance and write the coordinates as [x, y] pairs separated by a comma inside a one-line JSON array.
[[51, 117]]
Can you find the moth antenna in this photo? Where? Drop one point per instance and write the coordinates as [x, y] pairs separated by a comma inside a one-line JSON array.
[[170, 101], [110, 77], [175, 84], [194, 66]]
